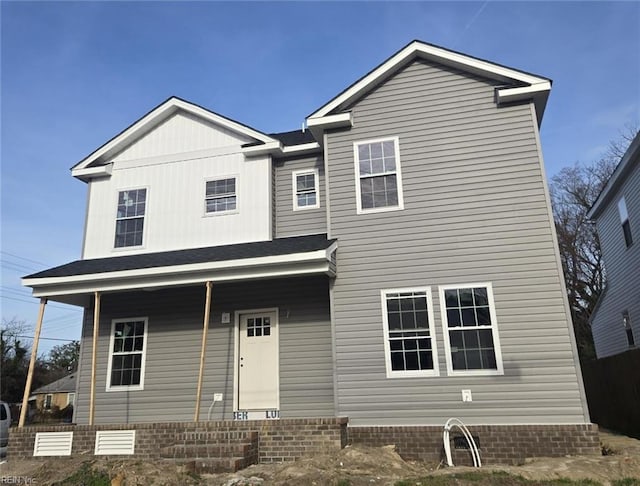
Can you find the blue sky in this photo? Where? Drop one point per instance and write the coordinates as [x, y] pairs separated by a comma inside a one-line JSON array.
[[75, 74]]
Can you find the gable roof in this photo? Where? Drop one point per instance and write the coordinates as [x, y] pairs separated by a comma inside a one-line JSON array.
[[630, 158], [522, 85], [65, 384], [149, 121]]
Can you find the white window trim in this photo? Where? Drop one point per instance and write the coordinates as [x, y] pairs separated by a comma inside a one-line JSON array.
[[204, 196], [118, 388], [494, 331], [294, 188], [71, 401], [356, 162], [145, 224], [432, 334], [622, 210]]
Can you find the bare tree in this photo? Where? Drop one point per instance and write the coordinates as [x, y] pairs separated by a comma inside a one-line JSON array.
[[573, 192]]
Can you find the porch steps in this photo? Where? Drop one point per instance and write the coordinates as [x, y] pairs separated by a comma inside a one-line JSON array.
[[212, 451]]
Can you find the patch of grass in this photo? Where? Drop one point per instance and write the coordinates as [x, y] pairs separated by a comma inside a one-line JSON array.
[[495, 478], [626, 482], [343, 482], [86, 476]]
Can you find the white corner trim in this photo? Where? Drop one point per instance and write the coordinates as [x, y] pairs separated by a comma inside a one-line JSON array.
[[430, 52]]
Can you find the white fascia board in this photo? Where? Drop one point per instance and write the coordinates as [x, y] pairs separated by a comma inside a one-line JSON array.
[[159, 114], [331, 121], [506, 95], [294, 258], [93, 172], [301, 148], [442, 56], [263, 149], [150, 282]]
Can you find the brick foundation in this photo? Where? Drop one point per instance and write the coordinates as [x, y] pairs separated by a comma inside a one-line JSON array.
[[278, 440], [289, 439], [499, 444]]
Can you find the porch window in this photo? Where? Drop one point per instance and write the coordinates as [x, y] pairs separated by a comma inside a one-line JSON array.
[[130, 217], [221, 196], [127, 357], [470, 330], [305, 189], [409, 333], [378, 179]]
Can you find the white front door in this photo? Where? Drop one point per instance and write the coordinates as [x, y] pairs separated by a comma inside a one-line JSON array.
[[258, 361]]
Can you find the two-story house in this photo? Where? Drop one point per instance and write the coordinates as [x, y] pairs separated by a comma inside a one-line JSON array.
[[615, 321], [395, 263]]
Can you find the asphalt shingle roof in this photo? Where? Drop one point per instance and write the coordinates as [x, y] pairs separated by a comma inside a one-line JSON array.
[[278, 246], [64, 384]]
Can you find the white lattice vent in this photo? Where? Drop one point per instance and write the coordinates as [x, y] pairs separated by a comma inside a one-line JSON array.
[[53, 444], [115, 442]]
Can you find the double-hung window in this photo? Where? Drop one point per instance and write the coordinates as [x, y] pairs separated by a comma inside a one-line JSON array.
[[127, 354], [470, 330], [624, 221], [378, 178], [409, 333], [305, 189], [221, 195], [130, 217]]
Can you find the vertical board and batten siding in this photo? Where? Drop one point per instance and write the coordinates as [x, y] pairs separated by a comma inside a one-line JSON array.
[[622, 266], [301, 222], [173, 162], [174, 338], [475, 211]]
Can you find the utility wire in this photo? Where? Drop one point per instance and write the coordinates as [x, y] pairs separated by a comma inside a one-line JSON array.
[[25, 259], [48, 338]]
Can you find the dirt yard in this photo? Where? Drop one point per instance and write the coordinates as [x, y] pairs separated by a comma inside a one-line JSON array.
[[352, 466]]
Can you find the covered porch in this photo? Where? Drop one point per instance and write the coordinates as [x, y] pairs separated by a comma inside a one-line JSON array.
[[236, 332]]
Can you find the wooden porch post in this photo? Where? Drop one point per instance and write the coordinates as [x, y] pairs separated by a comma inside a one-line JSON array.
[[32, 364], [94, 355], [205, 329]]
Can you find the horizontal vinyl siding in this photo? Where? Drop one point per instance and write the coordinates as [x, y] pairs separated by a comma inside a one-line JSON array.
[[173, 351], [475, 211], [301, 222], [622, 266]]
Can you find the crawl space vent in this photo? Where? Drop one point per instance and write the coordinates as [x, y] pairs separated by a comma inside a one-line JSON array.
[[53, 444], [115, 442]]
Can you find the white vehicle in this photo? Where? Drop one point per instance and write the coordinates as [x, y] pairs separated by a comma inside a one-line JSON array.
[[5, 422]]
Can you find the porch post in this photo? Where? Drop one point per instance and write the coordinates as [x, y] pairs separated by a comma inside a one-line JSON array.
[[32, 364], [94, 355], [205, 329]]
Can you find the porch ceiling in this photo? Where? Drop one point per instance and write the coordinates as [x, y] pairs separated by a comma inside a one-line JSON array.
[[73, 282]]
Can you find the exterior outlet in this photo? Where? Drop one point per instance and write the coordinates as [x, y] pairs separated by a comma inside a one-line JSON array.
[[466, 396], [217, 397]]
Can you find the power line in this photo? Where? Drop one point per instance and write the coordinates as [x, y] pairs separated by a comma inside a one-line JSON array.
[[25, 259], [31, 302], [47, 338]]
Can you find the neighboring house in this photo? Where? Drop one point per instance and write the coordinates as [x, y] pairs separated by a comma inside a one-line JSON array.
[[60, 394], [396, 263], [615, 322]]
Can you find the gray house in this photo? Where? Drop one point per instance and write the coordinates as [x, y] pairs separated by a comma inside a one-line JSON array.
[[615, 322], [395, 263]]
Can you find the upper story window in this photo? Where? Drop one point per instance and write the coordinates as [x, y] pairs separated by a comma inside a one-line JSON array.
[[378, 178], [626, 322], [624, 220], [470, 330], [130, 217], [221, 195], [127, 354], [305, 189]]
